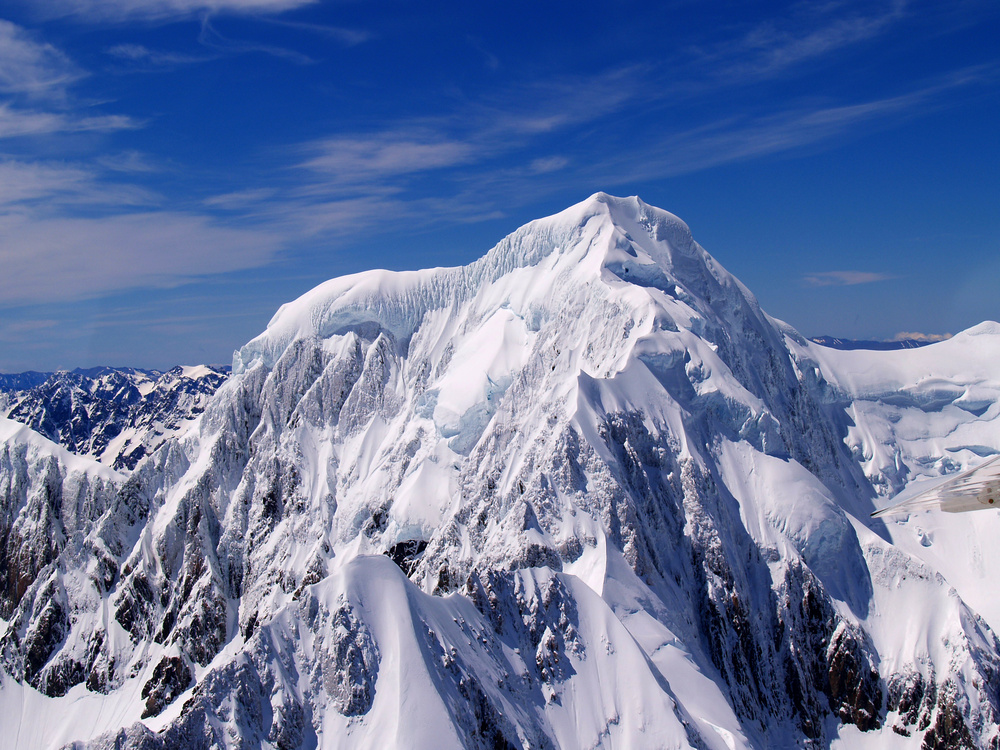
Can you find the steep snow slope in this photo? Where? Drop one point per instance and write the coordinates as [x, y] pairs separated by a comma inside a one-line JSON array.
[[914, 415], [632, 509]]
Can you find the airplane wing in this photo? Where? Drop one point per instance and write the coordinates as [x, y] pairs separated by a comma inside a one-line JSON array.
[[977, 488]]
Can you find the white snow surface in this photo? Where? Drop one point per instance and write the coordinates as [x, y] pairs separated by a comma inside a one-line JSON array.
[[629, 509], [13, 433]]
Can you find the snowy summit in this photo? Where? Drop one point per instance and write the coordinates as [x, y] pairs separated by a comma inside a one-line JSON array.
[[582, 492]]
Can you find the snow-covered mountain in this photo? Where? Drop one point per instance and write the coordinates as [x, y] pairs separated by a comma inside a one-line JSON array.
[[115, 415], [21, 381], [580, 493]]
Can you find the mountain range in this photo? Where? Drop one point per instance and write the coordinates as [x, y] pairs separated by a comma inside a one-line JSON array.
[[116, 415], [580, 493]]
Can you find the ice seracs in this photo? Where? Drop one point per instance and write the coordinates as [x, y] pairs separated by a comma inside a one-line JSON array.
[[583, 492]]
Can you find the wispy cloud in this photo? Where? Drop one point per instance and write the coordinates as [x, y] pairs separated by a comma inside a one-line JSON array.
[[336, 218], [127, 162], [69, 232], [34, 82], [460, 165], [77, 258], [24, 182], [240, 199], [350, 180], [551, 105], [812, 31], [738, 139], [163, 10], [743, 137], [15, 122], [363, 159], [489, 59], [547, 164], [24, 331], [53, 187], [141, 56], [81, 229], [844, 278], [30, 67], [209, 37], [346, 37]]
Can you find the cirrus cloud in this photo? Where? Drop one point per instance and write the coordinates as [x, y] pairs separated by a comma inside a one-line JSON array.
[[31, 67], [844, 278], [67, 258], [164, 10]]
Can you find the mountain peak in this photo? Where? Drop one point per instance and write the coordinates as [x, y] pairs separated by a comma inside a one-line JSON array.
[[603, 239], [649, 505], [633, 210], [659, 233]]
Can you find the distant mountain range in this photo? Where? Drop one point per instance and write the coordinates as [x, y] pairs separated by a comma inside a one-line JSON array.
[[116, 415], [835, 342], [22, 381]]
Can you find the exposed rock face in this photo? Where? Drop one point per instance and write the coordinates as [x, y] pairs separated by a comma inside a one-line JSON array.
[[171, 676], [117, 416], [580, 493], [48, 497]]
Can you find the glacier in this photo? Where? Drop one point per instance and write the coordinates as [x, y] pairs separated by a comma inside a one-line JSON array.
[[581, 493]]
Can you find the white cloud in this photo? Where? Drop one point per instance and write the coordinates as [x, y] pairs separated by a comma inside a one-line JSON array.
[[371, 168], [548, 106], [21, 182], [76, 258], [338, 218], [165, 10], [31, 67], [212, 39], [130, 162], [741, 138], [16, 122], [52, 245], [737, 140], [342, 35], [364, 158], [844, 278], [65, 235], [40, 73], [547, 164], [23, 331], [56, 186], [815, 31], [139, 55], [240, 199]]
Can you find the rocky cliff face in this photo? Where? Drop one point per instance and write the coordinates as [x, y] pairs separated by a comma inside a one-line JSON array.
[[580, 493], [49, 500]]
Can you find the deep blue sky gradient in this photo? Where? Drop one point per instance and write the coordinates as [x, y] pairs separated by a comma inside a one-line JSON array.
[[171, 171]]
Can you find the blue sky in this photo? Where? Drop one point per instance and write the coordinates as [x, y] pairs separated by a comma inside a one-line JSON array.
[[171, 171]]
